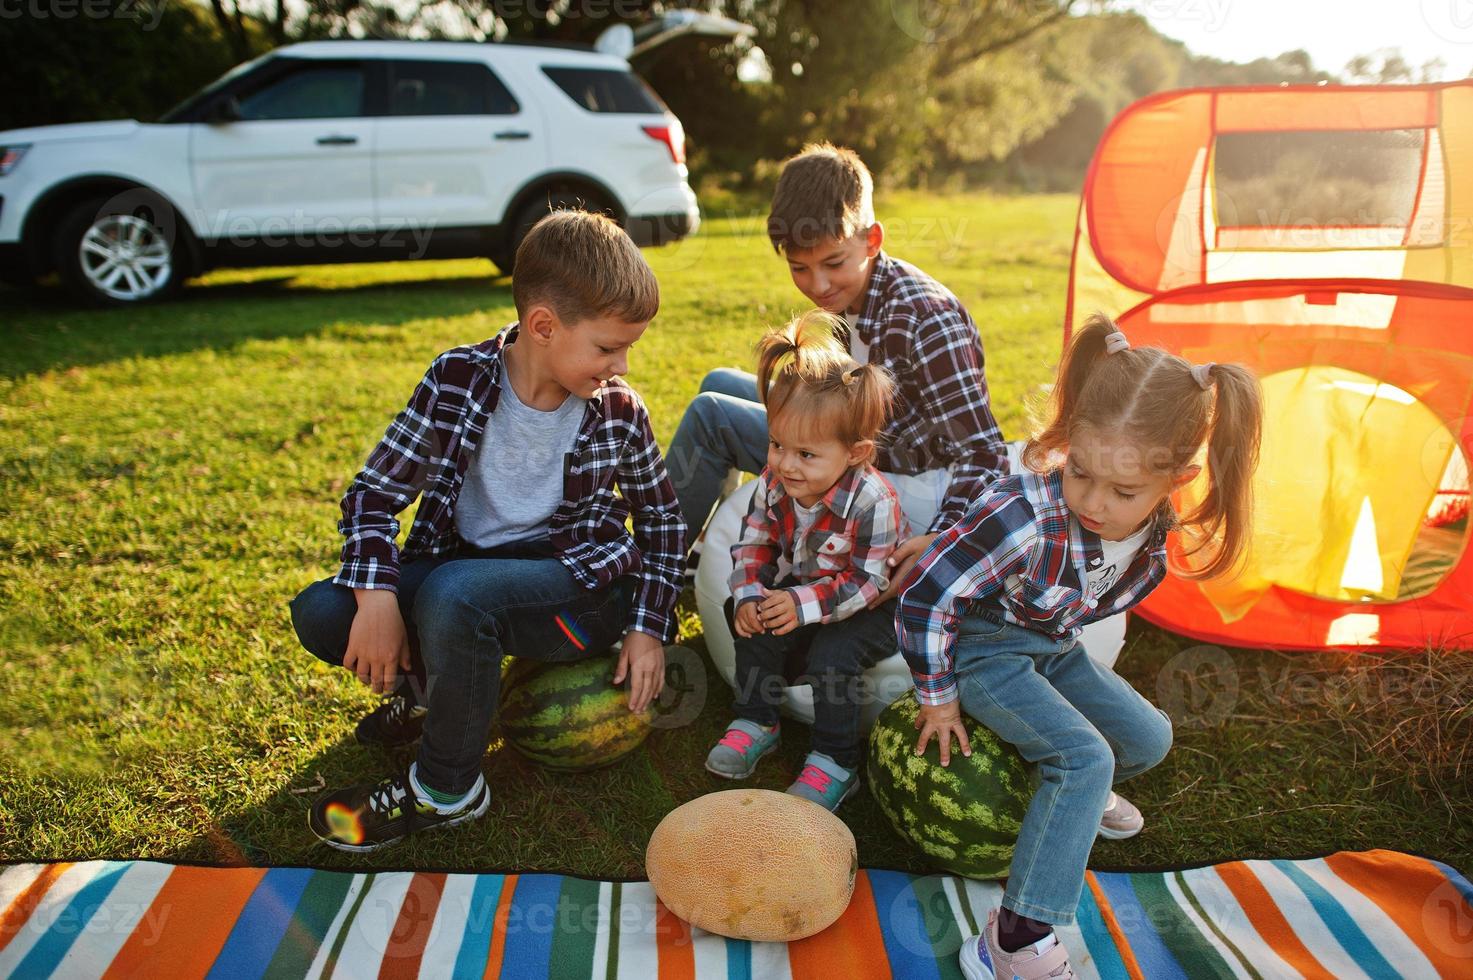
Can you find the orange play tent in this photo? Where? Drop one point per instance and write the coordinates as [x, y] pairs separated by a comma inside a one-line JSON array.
[[1323, 236]]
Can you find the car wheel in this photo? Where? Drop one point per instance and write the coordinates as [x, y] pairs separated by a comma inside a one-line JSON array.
[[556, 199], [120, 250]]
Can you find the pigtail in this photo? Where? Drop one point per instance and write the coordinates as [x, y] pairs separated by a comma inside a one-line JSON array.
[[871, 393], [1223, 519], [1085, 351]]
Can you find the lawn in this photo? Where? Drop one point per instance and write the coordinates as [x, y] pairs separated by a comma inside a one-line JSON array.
[[171, 476]]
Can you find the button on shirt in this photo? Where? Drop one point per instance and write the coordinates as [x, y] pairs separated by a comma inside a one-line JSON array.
[[1021, 551], [837, 558]]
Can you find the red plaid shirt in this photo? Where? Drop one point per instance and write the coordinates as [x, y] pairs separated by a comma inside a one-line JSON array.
[[426, 449], [920, 331], [839, 562]]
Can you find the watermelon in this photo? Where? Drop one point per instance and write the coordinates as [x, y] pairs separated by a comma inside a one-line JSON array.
[[569, 716], [964, 817]]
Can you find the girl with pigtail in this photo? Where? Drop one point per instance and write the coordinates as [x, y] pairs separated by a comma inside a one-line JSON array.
[[811, 557], [990, 617]]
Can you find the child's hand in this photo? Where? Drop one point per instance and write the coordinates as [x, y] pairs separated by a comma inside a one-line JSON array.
[[942, 721], [642, 659], [900, 563], [778, 611], [378, 645], [747, 622]]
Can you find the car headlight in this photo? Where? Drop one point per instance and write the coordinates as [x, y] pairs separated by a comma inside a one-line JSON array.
[[10, 157]]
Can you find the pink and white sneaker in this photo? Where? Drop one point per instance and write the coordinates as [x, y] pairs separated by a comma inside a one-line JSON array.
[[983, 959], [1121, 819], [824, 781]]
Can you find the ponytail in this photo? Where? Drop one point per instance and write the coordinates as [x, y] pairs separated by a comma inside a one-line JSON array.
[[1223, 518], [802, 368], [1085, 352]]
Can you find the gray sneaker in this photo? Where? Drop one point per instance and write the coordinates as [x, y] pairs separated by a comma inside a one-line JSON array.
[[740, 749], [824, 781]]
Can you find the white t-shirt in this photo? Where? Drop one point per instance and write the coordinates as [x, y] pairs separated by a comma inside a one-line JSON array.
[[858, 349], [1117, 556]]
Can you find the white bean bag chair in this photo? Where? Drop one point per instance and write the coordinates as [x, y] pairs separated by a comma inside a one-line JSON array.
[[920, 497]]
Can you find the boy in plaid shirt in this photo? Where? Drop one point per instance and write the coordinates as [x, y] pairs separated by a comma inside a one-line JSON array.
[[941, 445], [514, 447], [812, 558]]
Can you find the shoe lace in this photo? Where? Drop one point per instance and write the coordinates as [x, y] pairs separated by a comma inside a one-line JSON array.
[[399, 708], [388, 794], [737, 739], [816, 778]]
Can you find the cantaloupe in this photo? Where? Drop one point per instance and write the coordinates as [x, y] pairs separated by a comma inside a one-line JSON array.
[[753, 864]]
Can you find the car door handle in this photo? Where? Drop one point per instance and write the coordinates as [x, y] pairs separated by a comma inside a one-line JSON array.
[[513, 134], [336, 140]]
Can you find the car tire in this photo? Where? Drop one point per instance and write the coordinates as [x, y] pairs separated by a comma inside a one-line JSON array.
[[121, 250], [553, 199]]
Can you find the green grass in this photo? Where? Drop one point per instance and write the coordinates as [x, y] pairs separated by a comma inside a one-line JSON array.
[[170, 480]]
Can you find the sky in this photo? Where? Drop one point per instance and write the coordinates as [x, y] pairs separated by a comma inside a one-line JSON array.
[[1332, 31]]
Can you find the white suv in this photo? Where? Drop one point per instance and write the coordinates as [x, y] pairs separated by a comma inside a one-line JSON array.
[[336, 151]]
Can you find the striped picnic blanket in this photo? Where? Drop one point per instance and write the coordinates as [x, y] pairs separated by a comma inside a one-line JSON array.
[[1374, 913]]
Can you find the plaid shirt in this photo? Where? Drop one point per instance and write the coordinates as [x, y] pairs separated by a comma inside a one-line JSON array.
[[839, 562], [426, 450], [1020, 552], [917, 329]]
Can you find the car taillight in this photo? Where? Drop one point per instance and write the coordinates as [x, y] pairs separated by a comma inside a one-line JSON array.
[[672, 135]]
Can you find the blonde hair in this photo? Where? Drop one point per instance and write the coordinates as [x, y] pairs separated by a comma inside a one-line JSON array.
[[1162, 402], [585, 267], [825, 193], [804, 374]]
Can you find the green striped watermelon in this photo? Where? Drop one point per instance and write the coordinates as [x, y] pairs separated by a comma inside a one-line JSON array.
[[569, 716], [964, 817]]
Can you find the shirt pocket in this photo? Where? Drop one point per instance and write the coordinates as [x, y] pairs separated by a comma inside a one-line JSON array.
[[832, 550]]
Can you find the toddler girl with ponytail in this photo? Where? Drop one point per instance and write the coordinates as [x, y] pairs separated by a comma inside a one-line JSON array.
[[811, 557], [990, 617]]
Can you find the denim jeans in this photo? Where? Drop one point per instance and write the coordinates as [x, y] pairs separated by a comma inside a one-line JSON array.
[[1082, 725], [724, 427], [831, 657], [462, 615]]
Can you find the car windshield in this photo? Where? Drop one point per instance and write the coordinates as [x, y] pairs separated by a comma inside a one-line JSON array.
[[189, 104]]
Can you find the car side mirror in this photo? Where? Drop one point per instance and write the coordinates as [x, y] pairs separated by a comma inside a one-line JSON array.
[[224, 111]]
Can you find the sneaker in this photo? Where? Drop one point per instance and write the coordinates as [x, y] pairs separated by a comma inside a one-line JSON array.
[[824, 781], [740, 749], [1121, 819], [396, 721], [982, 958], [365, 818]]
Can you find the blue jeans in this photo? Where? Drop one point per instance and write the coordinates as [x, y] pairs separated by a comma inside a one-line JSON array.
[[1082, 725], [831, 658], [463, 615], [723, 428]]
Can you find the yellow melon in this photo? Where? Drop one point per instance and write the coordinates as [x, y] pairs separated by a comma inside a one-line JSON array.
[[753, 864]]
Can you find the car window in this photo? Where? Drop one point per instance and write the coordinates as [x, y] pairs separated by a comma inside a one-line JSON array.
[[309, 92], [606, 90], [447, 88]]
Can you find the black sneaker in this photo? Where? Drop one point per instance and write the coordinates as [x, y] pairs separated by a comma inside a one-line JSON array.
[[365, 818], [396, 721]]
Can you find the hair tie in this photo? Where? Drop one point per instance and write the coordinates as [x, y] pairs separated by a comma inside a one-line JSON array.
[[1116, 342], [1202, 374], [852, 375]]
